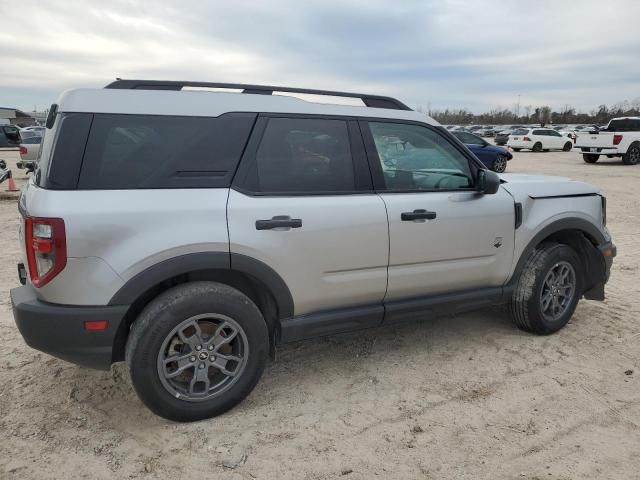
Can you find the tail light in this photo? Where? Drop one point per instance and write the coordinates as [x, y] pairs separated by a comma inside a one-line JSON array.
[[23, 150], [526, 139], [46, 247], [617, 139]]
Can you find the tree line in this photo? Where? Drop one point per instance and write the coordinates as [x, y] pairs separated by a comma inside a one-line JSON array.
[[540, 114]]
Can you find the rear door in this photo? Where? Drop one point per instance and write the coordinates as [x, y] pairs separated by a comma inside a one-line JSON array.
[[303, 203], [445, 236]]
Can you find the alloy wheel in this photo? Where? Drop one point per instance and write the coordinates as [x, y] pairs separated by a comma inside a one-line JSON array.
[[202, 357], [558, 290]]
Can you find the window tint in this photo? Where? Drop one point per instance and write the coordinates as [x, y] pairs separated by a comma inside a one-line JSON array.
[[303, 155], [521, 131], [624, 125], [417, 158], [540, 132], [146, 151], [553, 133], [32, 140]]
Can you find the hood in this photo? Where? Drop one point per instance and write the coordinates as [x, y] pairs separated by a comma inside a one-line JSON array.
[[540, 186]]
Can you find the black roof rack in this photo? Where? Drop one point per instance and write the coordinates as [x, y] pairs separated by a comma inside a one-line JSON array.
[[375, 101]]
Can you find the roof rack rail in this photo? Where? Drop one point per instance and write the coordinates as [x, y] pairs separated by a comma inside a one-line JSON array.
[[375, 101]]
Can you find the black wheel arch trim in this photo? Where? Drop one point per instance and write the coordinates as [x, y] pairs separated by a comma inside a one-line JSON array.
[[593, 235], [135, 287]]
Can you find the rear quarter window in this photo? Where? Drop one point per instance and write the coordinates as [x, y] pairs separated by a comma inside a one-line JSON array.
[[149, 151], [520, 131]]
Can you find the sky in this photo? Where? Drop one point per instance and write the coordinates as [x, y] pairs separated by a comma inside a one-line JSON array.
[[476, 55]]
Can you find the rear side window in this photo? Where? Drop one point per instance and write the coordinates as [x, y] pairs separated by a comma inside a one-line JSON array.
[[32, 141], [624, 125], [520, 131], [149, 151], [303, 155]]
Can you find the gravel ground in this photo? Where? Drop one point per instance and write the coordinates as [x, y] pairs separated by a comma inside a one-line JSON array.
[[462, 397]]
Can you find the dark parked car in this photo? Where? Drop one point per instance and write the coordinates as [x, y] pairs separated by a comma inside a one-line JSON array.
[[494, 157], [9, 136], [502, 135]]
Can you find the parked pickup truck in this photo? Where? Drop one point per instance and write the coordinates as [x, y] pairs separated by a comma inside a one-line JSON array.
[[621, 138]]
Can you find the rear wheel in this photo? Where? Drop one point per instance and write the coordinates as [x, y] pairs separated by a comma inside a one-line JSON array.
[[537, 147], [548, 289], [632, 157], [567, 147], [517, 149], [500, 164], [590, 157], [197, 350]]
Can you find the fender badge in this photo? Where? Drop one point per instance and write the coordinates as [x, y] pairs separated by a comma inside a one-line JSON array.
[[497, 242]]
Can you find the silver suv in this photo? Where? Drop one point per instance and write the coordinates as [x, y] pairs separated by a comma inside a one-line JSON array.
[[190, 232]]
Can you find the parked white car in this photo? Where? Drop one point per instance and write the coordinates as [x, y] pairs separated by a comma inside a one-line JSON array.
[[30, 148], [538, 140]]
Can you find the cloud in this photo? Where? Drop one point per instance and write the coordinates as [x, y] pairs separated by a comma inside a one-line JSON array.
[[446, 53]]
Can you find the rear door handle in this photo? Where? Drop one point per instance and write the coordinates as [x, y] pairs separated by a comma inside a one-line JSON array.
[[284, 222], [419, 214]]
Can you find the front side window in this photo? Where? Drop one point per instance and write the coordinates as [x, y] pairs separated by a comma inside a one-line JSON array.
[[413, 157], [304, 155]]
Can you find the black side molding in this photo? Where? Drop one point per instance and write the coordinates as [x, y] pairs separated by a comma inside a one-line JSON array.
[[330, 322]]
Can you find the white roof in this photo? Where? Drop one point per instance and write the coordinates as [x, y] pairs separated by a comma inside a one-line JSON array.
[[211, 104]]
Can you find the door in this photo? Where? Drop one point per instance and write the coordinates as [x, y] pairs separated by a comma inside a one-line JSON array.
[[556, 140], [303, 204], [445, 236]]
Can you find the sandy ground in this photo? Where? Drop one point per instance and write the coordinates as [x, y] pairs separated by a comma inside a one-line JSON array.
[[463, 397]]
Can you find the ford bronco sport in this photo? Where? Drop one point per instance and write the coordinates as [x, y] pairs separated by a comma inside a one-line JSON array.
[[190, 232]]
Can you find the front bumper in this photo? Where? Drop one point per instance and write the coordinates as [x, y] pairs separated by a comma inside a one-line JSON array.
[[59, 330]]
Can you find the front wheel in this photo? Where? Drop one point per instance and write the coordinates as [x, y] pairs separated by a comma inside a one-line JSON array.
[[500, 164], [197, 350], [548, 289], [590, 157], [567, 147]]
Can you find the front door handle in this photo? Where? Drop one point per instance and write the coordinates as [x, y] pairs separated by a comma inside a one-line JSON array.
[[419, 214], [283, 222]]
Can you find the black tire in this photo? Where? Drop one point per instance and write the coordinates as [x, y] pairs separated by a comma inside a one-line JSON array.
[[567, 147], [590, 157], [145, 350], [500, 164], [537, 147], [527, 300], [517, 149], [632, 157]]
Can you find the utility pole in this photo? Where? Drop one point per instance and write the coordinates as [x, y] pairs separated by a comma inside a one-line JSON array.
[[518, 107]]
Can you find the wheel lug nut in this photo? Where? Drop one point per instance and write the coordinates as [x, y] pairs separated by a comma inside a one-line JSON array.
[[210, 347], [192, 359], [202, 365], [199, 347]]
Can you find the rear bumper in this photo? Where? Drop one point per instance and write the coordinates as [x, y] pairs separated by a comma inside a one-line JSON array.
[[59, 329], [600, 150]]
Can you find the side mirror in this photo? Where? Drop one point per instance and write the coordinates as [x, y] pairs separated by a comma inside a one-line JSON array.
[[488, 182]]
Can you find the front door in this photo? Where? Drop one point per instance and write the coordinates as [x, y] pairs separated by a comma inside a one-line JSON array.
[[445, 236]]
